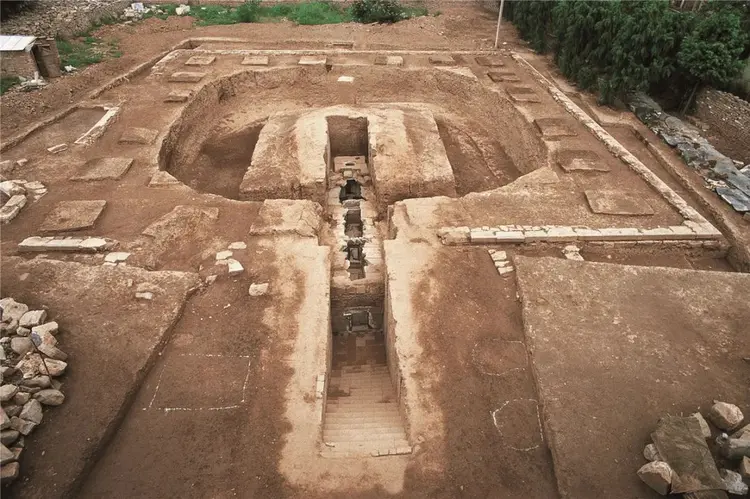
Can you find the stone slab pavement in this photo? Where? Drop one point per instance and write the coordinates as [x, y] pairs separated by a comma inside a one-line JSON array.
[[615, 347], [111, 338]]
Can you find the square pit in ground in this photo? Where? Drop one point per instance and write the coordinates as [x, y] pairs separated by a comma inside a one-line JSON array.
[[201, 382]]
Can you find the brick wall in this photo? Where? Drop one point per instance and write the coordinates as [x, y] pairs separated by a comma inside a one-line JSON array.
[[17, 64], [727, 115]]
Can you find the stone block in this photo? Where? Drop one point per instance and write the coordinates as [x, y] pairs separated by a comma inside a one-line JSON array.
[[442, 60], [163, 179], [389, 60], [104, 169], [200, 60], [489, 61], [509, 236], [178, 96], [617, 234], [520, 93], [255, 60], [555, 234], [580, 161], [482, 236], [186, 77], [554, 128], [136, 135], [615, 202], [73, 215], [658, 233], [57, 148], [503, 76], [313, 60]]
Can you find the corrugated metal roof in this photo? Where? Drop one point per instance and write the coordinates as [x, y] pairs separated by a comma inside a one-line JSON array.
[[15, 43]]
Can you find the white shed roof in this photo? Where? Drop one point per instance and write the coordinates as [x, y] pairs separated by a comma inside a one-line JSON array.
[[15, 43]]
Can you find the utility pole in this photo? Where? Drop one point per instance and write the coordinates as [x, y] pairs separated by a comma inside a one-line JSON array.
[[499, 18]]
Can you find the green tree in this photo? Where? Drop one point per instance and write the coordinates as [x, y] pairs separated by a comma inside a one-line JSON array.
[[710, 52]]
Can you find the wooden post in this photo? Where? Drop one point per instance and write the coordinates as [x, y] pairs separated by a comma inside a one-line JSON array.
[[499, 18]]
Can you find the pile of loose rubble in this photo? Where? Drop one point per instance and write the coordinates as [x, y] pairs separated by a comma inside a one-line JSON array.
[[52, 18], [680, 460], [728, 178], [30, 363], [14, 194]]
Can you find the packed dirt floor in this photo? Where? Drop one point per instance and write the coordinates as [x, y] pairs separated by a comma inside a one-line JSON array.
[[276, 202]]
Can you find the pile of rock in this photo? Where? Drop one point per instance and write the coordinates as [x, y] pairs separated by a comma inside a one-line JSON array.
[[728, 178], [14, 194], [234, 267], [500, 259], [52, 18], [680, 461], [30, 361]]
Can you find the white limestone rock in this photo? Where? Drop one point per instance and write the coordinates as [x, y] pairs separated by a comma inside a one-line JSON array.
[[657, 475], [50, 397], [733, 482], [7, 392], [32, 318], [32, 411], [651, 453], [725, 416], [259, 289]]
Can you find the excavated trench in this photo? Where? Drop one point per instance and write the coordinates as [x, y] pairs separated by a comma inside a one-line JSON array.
[[362, 414]]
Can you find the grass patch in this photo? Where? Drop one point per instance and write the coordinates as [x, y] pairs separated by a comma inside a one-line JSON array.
[[85, 51], [305, 13], [8, 82]]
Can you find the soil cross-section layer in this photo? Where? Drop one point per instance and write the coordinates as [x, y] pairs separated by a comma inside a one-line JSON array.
[[111, 339], [615, 347]]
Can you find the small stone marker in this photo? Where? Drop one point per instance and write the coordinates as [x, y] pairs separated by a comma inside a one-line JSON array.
[[520, 93], [442, 60], [258, 289], [492, 62], [116, 256], [72, 215], [223, 255], [313, 60], [239, 245], [503, 76], [235, 267], [135, 135], [186, 77], [146, 295], [178, 96], [389, 60], [346, 79], [32, 318], [255, 60], [58, 148], [552, 128], [657, 475], [200, 60], [725, 416], [104, 169], [612, 202]]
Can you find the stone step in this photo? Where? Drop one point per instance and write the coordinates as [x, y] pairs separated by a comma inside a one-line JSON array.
[[394, 422], [385, 418], [359, 436], [373, 398], [350, 449], [365, 408]]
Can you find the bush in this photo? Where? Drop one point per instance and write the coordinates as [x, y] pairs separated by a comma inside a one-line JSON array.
[[377, 11], [248, 12]]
